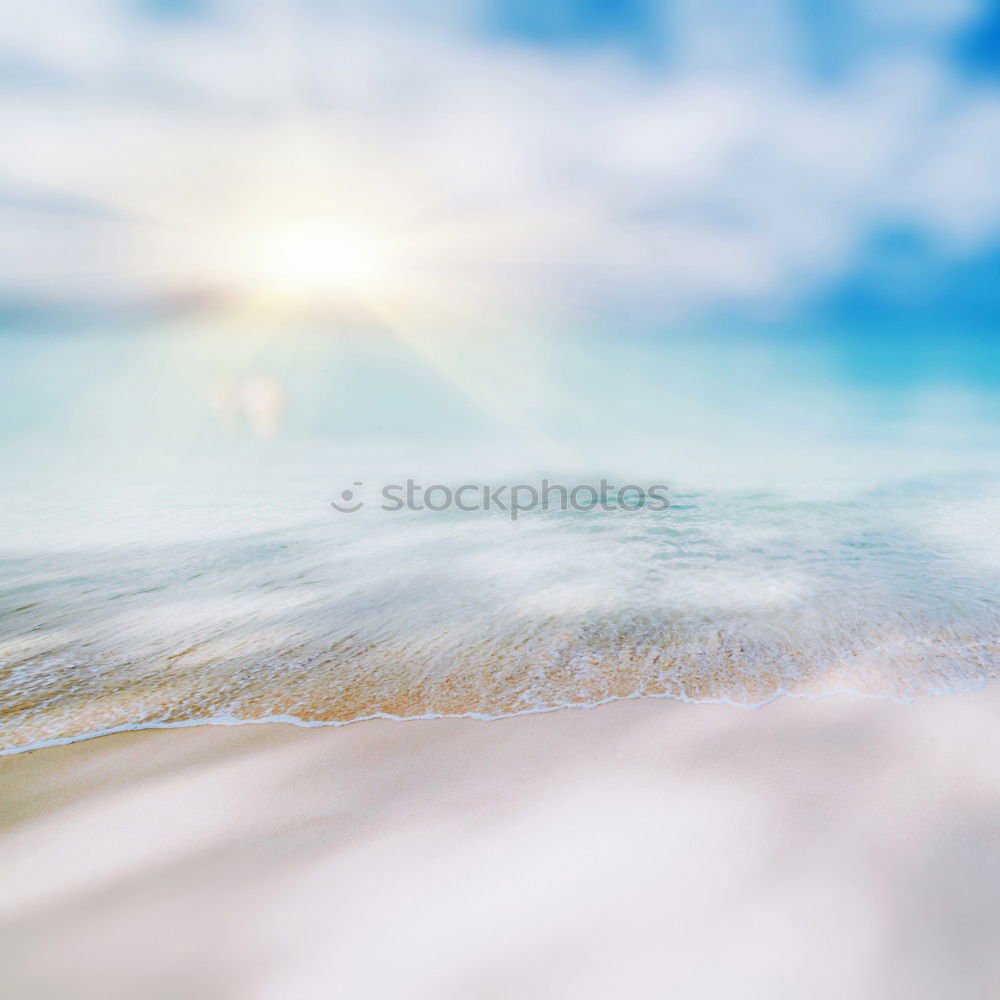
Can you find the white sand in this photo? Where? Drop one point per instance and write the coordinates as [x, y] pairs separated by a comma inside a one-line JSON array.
[[840, 848]]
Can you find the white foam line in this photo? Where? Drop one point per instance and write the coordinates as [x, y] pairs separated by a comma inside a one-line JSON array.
[[220, 720]]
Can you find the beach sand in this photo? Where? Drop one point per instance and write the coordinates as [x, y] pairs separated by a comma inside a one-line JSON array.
[[839, 847]]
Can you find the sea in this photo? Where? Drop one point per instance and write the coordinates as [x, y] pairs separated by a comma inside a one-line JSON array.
[[210, 522]]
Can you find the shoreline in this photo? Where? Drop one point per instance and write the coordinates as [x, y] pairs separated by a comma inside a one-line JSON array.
[[292, 720]]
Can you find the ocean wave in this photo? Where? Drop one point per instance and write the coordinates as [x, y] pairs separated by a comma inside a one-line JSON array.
[[723, 597]]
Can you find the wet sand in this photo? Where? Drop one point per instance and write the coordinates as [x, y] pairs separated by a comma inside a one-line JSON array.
[[841, 847]]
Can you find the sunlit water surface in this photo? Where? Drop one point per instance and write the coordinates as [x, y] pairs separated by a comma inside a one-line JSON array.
[[153, 577]]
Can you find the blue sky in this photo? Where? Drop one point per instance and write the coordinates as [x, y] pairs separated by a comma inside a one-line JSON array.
[[804, 168], [832, 37]]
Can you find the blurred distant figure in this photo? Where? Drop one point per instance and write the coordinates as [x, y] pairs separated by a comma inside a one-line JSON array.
[[259, 399]]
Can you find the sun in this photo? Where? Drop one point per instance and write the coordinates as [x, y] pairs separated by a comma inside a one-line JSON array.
[[315, 260]]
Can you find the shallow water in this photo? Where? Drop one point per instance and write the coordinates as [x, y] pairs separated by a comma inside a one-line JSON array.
[[335, 618], [150, 582]]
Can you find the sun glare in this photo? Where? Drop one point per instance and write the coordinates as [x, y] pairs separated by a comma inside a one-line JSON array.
[[315, 261]]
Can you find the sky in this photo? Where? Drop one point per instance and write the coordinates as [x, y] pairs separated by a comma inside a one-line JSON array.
[[775, 215], [659, 160]]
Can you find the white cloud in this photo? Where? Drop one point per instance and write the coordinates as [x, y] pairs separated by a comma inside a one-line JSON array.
[[565, 178]]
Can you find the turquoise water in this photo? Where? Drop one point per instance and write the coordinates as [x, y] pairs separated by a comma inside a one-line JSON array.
[[170, 554]]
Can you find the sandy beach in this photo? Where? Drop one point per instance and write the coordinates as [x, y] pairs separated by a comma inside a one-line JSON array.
[[824, 848]]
